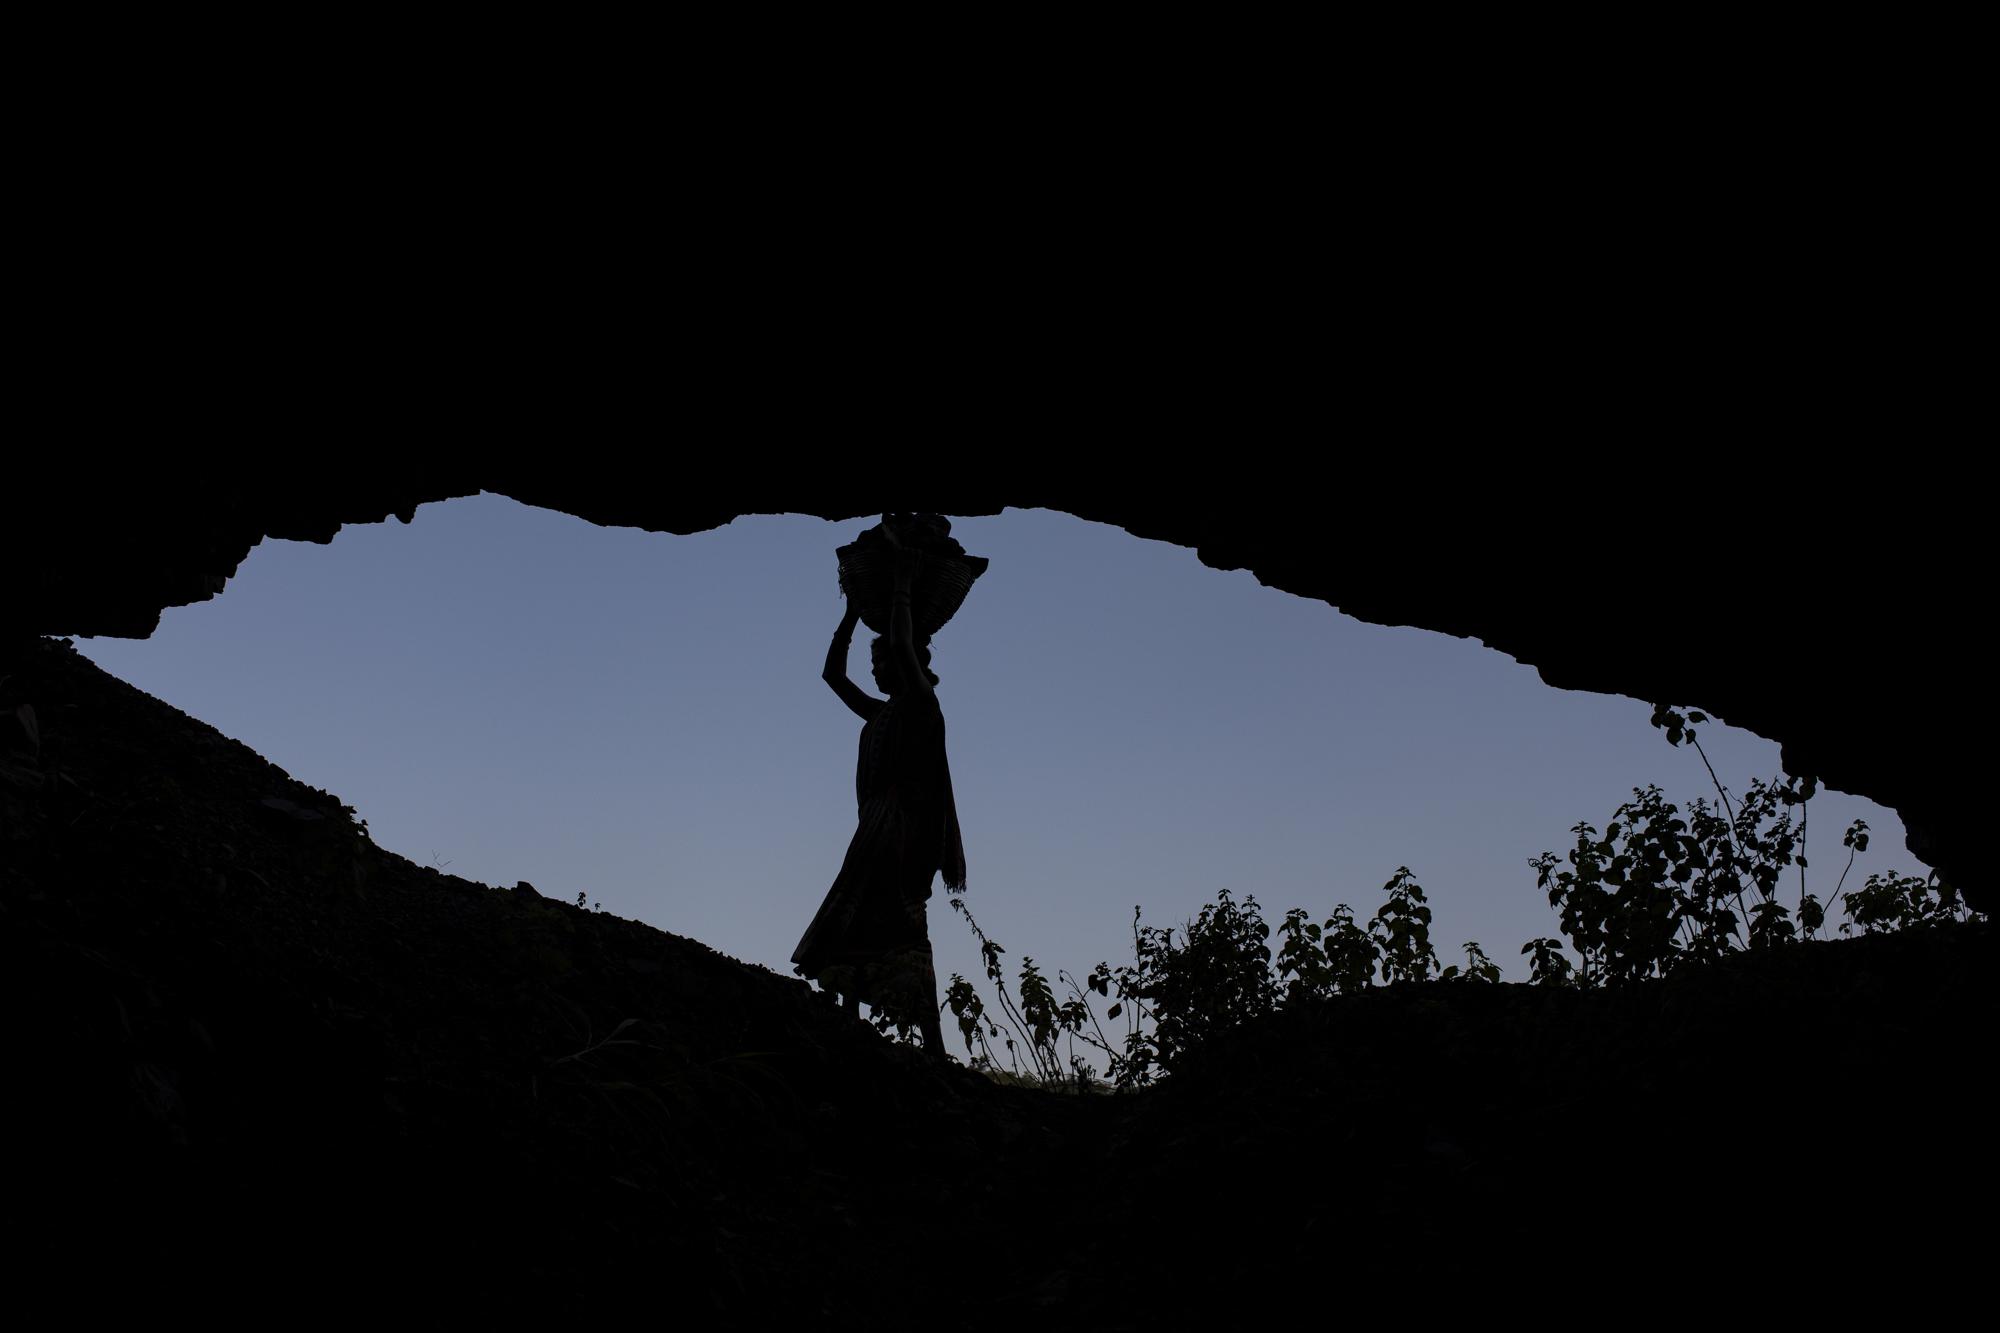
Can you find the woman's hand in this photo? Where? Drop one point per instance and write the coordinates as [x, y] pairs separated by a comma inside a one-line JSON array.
[[837, 652]]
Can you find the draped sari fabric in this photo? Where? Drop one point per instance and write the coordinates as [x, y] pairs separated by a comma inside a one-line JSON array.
[[871, 937]]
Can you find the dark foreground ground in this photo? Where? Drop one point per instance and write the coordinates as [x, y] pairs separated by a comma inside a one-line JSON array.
[[258, 1068]]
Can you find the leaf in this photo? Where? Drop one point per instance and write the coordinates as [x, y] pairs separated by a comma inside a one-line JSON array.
[[1114, 1010]]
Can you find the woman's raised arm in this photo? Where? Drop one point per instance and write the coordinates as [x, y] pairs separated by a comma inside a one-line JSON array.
[[902, 630], [864, 705]]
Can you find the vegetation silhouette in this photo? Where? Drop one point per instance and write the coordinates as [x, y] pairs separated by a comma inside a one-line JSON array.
[[1659, 888]]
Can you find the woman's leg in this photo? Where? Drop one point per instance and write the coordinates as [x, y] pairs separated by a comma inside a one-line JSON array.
[[934, 1036], [927, 999]]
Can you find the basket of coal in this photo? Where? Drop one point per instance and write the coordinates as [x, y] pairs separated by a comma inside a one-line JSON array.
[[945, 573]]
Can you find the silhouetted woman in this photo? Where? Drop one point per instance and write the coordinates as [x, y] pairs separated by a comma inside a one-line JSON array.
[[870, 940]]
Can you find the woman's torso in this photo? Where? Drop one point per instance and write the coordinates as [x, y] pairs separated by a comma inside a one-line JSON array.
[[902, 754]]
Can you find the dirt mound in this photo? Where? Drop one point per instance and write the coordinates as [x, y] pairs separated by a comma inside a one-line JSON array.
[[255, 1053]]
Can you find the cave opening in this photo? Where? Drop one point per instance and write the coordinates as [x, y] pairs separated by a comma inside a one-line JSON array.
[[507, 693]]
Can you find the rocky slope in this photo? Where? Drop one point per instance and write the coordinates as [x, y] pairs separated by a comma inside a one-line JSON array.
[[259, 1060]]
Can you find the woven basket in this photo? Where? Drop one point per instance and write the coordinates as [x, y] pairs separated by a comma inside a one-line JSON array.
[[944, 576]]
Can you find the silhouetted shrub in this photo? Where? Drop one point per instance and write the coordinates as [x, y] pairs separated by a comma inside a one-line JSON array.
[[1902, 902], [1186, 988], [1660, 887]]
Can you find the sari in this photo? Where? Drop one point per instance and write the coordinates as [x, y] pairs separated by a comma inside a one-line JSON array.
[[871, 937]]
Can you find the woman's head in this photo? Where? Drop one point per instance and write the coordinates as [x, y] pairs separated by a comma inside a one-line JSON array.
[[886, 675]]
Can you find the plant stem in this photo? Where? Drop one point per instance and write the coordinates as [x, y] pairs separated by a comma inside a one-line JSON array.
[[1842, 880], [1743, 913], [1103, 1045], [1802, 854], [1021, 1026], [1720, 790]]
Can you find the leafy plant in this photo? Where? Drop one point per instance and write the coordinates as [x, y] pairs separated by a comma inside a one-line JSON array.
[[1660, 887], [1189, 987], [1035, 1026], [1402, 931], [1478, 967], [1902, 902], [1548, 965], [1337, 957]]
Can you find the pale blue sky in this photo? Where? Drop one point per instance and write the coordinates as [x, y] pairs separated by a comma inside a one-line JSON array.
[[639, 717]]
